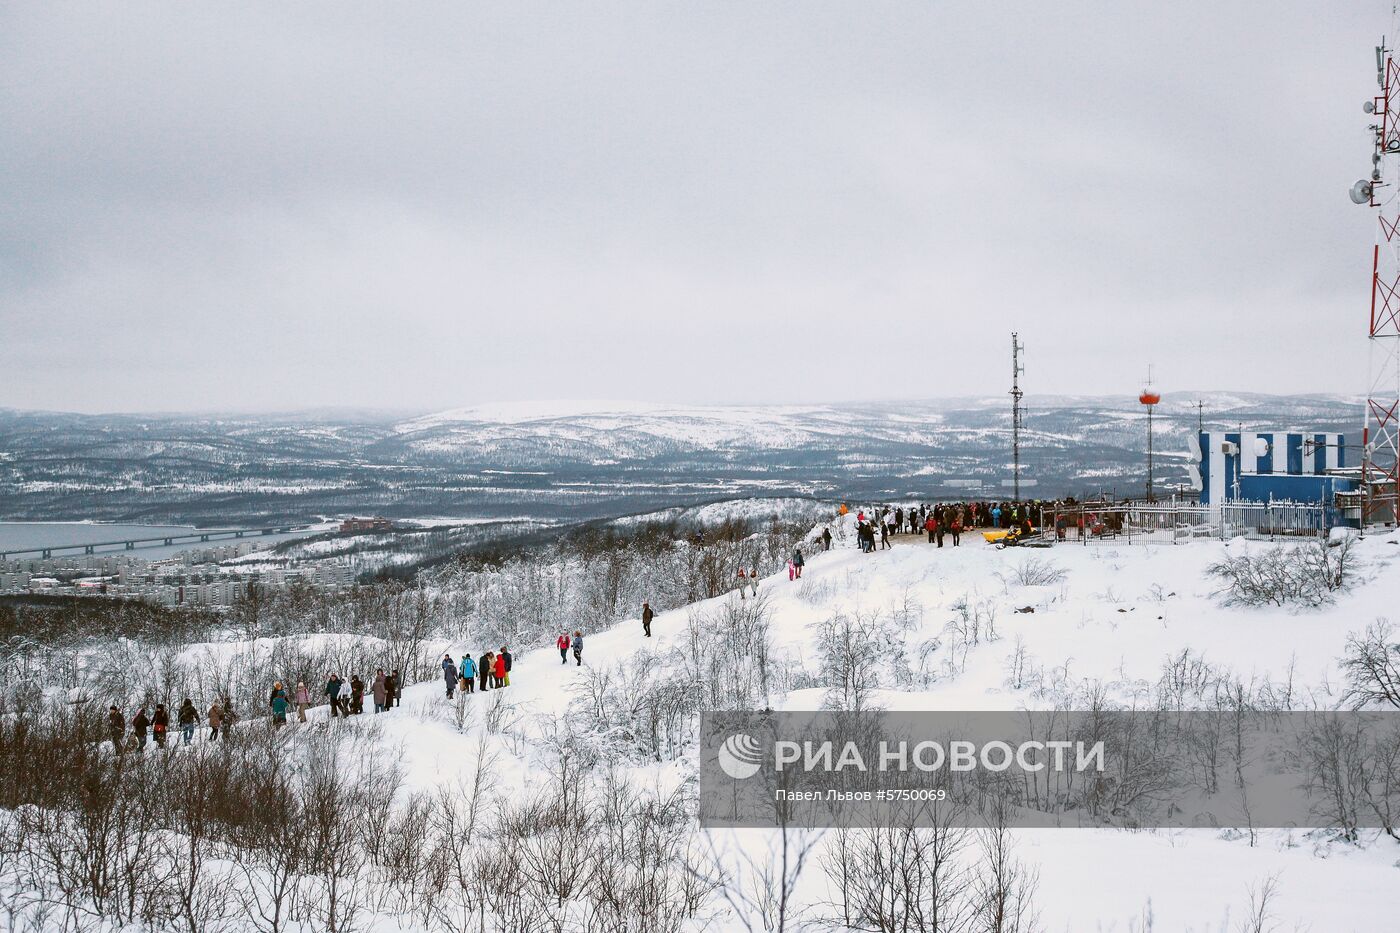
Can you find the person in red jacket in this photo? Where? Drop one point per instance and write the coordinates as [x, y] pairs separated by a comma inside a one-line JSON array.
[[562, 643], [500, 671], [931, 526]]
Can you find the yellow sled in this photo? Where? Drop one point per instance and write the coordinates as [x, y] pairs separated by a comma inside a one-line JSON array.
[[992, 537]]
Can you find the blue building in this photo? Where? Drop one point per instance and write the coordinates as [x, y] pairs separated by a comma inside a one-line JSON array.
[[1269, 466]]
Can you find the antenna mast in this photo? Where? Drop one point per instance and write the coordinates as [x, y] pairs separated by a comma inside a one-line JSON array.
[[1380, 438], [1149, 397], [1016, 414]]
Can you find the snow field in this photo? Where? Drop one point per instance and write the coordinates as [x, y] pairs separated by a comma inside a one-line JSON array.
[[1115, 617]]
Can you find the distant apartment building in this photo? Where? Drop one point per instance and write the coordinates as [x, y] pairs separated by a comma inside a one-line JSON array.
[[197, 577], [359, 526]]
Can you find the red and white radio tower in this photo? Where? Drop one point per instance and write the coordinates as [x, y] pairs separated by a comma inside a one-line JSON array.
[[1380, 463]]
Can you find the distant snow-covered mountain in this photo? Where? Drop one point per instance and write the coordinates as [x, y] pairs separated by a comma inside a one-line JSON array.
[[592, 459]]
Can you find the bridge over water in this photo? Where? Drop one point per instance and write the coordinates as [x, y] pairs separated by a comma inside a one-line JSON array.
[[131, 544]]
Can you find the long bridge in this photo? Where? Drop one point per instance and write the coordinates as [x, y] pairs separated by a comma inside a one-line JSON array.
[[131, 544]]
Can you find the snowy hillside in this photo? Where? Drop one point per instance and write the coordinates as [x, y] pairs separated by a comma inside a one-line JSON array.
[[1117, 618], [587, 770]]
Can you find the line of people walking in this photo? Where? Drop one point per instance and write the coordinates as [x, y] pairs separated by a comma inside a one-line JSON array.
[[345, 697], [155, 725]]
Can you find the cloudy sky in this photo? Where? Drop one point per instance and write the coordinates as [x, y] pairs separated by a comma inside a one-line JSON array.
[[430, 205]]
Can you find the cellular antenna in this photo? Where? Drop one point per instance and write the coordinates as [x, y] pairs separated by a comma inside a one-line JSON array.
[[1380, 436], [1017, 368]]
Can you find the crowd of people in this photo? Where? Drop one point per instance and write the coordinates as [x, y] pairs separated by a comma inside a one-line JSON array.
[[155, 726], [943, 522], [492, 669], [344, 697]]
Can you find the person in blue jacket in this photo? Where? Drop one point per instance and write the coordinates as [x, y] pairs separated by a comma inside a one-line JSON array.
[[279, 710], [468, 672], [578, 648]]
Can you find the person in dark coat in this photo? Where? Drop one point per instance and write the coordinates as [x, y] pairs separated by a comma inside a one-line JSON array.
[[333, 693], [578, 649], [505, 659], [647, 616], [160, 724], [390, 686], [357, 695], [449, 675], [140, 725], [488, 662], [116, 727], [188, 716], [826, 539]]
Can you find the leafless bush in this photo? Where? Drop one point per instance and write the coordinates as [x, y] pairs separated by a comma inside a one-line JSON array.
[[644, 709], [1372, 666], [1286, 574], [1004, 887], [1019, 665], [759, 885], [1260, 916], [727, 653], [1352, 766], [902, 877], [1033, 571], [850, 648]]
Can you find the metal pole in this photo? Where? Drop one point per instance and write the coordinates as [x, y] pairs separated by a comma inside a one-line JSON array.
[[1149, 452], [1016, 393]]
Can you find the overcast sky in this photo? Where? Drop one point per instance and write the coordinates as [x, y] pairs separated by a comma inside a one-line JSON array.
[[429, 205]]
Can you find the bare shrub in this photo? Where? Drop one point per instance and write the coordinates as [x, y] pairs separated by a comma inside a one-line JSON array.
[[1286, 574], [1033, 571], [902, 877], [850, 647], [1372, 666], [1005, 888]]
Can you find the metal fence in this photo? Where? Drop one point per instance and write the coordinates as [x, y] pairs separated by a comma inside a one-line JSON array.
[[1176, 522]]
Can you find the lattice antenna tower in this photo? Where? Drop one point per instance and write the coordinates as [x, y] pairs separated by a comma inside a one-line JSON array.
[[1380, 436], [1017, 413]]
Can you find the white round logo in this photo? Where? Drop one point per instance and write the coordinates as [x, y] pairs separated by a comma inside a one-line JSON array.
[[739, 756]]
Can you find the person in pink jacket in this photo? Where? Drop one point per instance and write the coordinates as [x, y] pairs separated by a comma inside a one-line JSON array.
[[303, 700]]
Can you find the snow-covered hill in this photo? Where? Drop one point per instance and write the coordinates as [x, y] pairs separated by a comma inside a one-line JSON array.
[[1116, 619], [566, 801]]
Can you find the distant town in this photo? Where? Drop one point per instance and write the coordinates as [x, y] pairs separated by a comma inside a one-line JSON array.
[[211, 576]]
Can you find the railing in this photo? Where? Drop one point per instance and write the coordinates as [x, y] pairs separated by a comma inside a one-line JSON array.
[[1176, 522]]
